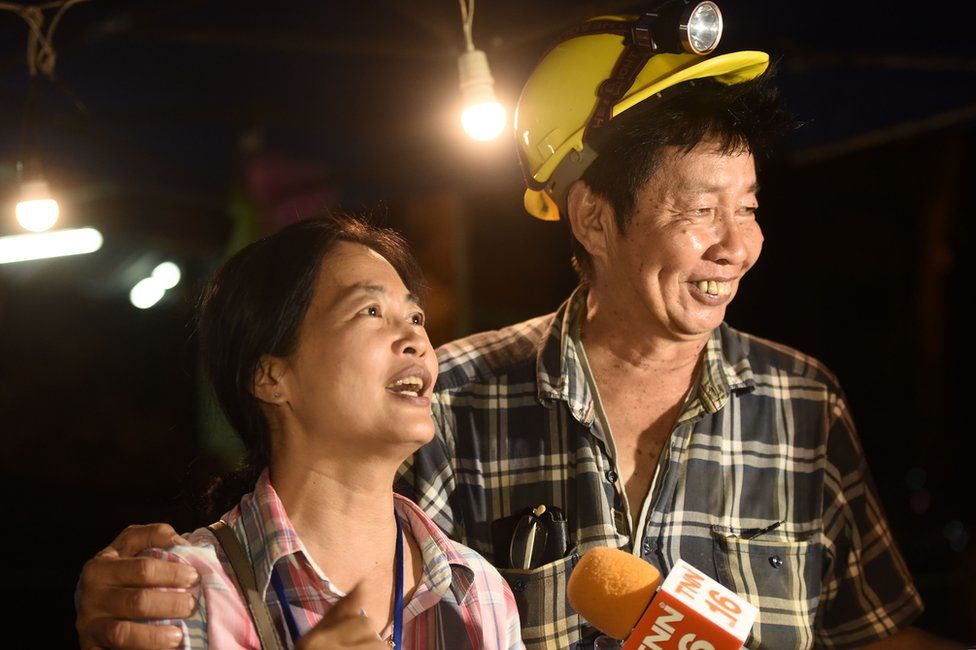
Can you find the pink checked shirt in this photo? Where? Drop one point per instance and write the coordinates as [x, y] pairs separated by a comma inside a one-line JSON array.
[[461, 601]]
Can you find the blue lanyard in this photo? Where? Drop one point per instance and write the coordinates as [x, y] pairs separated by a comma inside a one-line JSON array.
[[285, 607], [397, 604], [398, 590]]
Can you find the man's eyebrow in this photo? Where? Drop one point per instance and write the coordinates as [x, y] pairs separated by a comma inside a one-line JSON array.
[[706, 187], [372, 289]]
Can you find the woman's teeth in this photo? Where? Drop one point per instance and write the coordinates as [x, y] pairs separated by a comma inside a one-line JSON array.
[[714, 288], [409, 386]]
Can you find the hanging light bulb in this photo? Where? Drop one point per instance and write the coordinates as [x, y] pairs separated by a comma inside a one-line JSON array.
[[483, 117], [37, 210]]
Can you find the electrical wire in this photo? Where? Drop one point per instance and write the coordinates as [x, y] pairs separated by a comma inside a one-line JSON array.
[[41, 55], [467, 22]]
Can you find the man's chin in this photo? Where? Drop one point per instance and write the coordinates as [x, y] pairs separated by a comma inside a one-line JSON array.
[[700, 325]]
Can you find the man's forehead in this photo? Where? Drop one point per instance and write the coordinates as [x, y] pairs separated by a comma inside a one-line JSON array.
[[707, 171]]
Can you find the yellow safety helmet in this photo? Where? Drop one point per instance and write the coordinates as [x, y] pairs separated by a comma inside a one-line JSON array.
[[563, 92]]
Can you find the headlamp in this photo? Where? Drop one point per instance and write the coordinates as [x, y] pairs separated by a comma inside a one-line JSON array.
[[700, 29], [680, 26]]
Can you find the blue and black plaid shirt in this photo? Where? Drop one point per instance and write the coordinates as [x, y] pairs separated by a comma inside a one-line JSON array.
[[762, 484]]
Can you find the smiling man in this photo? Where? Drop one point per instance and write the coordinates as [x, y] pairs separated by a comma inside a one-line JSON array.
[[634, 412], [634, 416]]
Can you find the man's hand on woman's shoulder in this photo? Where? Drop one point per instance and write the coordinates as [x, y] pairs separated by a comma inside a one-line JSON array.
[[117, 587]]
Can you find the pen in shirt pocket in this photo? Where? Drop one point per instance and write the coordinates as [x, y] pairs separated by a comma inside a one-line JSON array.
[[752, 533]]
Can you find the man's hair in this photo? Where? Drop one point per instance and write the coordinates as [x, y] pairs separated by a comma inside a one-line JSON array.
[[741, 117]]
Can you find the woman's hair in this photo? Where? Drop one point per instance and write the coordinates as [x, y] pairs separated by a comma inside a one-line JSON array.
[[254, 306]]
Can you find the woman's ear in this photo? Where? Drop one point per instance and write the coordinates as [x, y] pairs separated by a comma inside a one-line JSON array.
[[591, 219], [269, 385]]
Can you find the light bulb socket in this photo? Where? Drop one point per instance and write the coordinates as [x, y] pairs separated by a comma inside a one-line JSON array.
[[476, 83], [35, 189]]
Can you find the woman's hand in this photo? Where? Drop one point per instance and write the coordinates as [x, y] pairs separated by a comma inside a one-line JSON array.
[[116, 586], [343, 626]]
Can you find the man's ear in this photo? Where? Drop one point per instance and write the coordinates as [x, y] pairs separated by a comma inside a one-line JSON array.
[[269, 385], [591, 219]]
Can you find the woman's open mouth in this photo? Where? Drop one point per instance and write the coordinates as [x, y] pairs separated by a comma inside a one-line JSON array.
[[411, 386], [413, 383]]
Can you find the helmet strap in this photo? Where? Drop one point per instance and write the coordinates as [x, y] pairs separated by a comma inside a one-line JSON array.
[[639, 47]]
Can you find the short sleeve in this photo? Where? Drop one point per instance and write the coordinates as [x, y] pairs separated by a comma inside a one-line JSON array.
[[194, 627], [427, 478], [867, 590], [220, 618]]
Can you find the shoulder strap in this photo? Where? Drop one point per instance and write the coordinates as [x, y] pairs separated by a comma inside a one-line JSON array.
[[244, 572]]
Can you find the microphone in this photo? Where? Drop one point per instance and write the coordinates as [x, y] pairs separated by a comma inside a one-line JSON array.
[[614, 591]]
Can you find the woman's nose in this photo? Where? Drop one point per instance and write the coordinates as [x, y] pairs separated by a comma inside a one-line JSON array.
[[413, 341]]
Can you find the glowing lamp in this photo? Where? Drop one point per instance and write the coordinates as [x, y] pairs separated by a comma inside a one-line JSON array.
[[483, 117], [37, 210]]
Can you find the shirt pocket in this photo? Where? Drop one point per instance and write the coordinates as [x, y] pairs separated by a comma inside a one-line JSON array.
[[780, 575], [546, 616]]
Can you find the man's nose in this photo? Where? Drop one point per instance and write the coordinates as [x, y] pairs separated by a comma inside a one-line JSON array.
[[730, 246]]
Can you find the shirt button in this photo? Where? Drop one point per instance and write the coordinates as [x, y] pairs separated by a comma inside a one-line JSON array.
[[611, 476], [604, 642], [776, 561], [646, 547], [519, 585]]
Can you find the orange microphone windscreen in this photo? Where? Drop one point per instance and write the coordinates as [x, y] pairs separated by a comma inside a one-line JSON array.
[[611, 588]]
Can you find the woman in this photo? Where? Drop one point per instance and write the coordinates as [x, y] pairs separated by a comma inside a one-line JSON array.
[[314, 341]]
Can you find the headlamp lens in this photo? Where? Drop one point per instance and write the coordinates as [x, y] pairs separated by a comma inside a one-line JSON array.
[[704, 28]]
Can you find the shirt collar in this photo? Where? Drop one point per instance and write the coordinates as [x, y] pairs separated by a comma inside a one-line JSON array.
[[559, 373], [269, 537], [444, 566], [725, 369], [268, 533]]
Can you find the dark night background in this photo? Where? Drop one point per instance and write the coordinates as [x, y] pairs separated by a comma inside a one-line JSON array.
[[183, 129]]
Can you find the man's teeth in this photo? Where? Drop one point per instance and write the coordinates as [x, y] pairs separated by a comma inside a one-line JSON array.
[[409, 386], [715, 288]]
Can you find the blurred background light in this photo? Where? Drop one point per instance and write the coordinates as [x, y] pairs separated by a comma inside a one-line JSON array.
[[167, 275], [57, 243], [147, 293]]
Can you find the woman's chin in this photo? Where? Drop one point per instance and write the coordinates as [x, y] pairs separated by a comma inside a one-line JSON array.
[[411, 437], [420, 436]]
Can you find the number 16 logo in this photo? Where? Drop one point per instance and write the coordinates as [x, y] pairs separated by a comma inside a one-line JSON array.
[[688, 642]]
